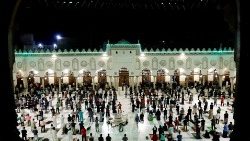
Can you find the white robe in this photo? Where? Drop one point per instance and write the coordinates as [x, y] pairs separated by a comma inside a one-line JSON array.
[[54, 121], [62, 121], [70, 135]]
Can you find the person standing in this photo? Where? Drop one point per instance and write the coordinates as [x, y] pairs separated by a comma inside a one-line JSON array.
[[70, 135], [84, 134], [125, 138], [225, 130], [91, 138], [202, 124], [96, 124], [100, 138], [108, 138], [80, 114], [24, 134], [179, 136], [35, 132], [154, 137], [62, 121], [226, 117]]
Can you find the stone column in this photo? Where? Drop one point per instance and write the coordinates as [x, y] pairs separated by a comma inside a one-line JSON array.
[[43, 82], [25, 82], [93, 82], [60, 84], [154, 81], [76, 78], [220, 80], [110, 80], [232, 83]]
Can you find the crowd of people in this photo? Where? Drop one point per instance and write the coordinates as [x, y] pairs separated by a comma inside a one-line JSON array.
[[93, 105]]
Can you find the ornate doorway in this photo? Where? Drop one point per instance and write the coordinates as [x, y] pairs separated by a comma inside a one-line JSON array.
[[19, 79], [226, 81], [146, 76], [160, 76], [31, 79], [123, 77], [72, 79], [102, 78], [87, 79]]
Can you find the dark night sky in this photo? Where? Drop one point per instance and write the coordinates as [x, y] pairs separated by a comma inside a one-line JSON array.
[[90, 28]]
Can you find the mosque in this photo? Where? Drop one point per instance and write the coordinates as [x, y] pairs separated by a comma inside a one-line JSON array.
[[124, 63]]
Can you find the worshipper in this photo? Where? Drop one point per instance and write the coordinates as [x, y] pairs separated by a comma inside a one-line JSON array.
[[100, 138], [179, 136], [125, 138], [84, 134], [91, 138], [108, 138], [24, 133], [70, 135], [225, 131], [35, 132]]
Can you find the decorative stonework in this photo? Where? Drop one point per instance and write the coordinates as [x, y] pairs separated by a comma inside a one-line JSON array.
[[109, 63], [226, 63], [232, 64], [66, 64], [146, 63], [188, 63], [101, 63], [92, 63], [75, 64], [163, 63], [180, 63], [154, 63], [213, 62], [32, 64], [84, 64], [19, 65], [24, 64], [204, 63], [221, 63], [171, 63], [197, 62], [138, 64], [49, 64], [40, 64], [58, 65]]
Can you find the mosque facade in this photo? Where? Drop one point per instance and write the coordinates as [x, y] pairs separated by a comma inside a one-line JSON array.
[[124, 63]]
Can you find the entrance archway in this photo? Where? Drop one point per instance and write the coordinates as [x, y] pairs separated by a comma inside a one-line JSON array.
[[226, 78], [102, 78], [176, 77], [19, 79], [123, 77], [87, 79], [72, 79], [146, 77], [31, 79], [160, 78]]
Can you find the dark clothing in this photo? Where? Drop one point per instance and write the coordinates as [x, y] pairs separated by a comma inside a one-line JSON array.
[[108, 138], [100, 139]]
